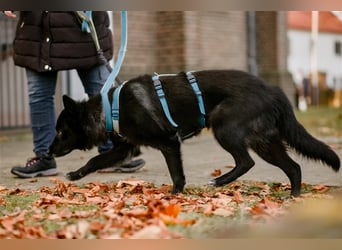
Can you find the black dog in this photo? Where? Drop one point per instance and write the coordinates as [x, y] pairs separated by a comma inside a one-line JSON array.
[[242, 111]]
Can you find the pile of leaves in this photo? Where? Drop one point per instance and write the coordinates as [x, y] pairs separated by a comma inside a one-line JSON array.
[[136, 209]]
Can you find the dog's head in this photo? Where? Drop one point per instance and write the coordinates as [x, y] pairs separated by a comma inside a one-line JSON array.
[[72, 128]]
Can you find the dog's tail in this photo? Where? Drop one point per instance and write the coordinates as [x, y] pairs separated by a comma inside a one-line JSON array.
[[298, 138]]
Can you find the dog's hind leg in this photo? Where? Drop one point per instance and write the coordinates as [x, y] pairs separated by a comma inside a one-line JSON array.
[[172, 154], [275, 154], [233, 142]]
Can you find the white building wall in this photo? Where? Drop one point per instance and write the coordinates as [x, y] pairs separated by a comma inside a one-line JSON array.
[[328, 62]]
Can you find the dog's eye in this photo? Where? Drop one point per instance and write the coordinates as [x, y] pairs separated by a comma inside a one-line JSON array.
[[59, 133]]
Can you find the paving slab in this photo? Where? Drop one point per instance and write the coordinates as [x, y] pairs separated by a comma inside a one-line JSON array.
[[201, 156]]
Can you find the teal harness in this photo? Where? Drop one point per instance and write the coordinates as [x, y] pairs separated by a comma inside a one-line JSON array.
[[193, 83], [160, 92]]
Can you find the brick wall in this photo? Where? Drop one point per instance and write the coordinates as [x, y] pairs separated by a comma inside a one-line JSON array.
[[170, 51], [215, 40], [172, 41], [141, 46], [272, 47]]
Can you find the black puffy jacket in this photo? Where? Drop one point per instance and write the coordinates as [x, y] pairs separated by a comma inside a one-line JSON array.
[[53, 41]]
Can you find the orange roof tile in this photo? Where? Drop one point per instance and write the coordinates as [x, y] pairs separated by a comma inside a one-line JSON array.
[[328, 22]]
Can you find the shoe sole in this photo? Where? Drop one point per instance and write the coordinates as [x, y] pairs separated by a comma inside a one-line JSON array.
[[130, 167], [49, 172]]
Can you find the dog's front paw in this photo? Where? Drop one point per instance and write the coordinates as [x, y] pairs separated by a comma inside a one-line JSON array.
[[72, 176]]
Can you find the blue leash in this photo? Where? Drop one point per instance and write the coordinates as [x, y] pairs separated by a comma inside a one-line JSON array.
[[86, 21], [110, 80], [88, 26]]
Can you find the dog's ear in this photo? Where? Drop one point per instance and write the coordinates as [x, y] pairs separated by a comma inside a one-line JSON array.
[[69, 104]]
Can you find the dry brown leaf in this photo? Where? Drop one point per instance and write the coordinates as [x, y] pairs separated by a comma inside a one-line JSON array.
[[129, 182], [229, 166], [320, 188], [225, 212], [216, 172], [238, 197], [3, 188], [172, 210]]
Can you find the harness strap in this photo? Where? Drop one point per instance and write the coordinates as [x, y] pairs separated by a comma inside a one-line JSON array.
[[193, 83], [161, 95], [115, 107], [192, 80]]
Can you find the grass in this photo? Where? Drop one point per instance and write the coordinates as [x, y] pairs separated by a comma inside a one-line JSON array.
[[15, 202], [322, 121]]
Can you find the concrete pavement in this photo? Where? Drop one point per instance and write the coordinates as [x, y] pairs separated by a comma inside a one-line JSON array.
[[201, 156]]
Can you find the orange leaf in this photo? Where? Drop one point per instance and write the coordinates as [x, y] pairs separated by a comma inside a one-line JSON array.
[[169, 220], [130, 182], [257, 210], [238, 197], [172, 210], [8, 223], [320, 188], [95, 199], [138, 212], [95, 226], [229, 166], [208, 209], [225, 212], [270, 204], [216, 172]]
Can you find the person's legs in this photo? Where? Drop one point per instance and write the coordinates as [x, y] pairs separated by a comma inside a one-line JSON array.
[[93, 81], [41, 91]]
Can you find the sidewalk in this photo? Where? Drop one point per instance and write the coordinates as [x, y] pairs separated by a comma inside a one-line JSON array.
[[201, 156]]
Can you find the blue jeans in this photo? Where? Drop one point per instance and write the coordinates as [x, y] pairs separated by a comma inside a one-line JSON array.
[[41, 88]]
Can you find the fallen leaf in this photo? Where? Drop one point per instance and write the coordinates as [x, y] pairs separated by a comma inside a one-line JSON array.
[[172, 210], [229, 166], [95, 199], [320, 188], [225, 212], [208, 210], [216, 172], [238, 197], [131, 182]]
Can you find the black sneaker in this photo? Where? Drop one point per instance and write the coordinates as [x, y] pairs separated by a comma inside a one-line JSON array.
[[128, 167], [37, 166]]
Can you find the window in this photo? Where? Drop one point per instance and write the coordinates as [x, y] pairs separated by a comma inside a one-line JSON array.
[[338, 48]]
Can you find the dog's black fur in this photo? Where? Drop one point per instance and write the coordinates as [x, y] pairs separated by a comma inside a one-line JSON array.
[[242, 110]]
